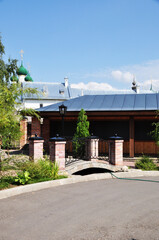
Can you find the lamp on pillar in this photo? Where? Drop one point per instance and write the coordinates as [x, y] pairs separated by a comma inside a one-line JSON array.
[[62, 111]]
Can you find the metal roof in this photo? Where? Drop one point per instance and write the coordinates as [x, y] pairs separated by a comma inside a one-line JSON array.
[[114, 102], [58, 91], [48, 91]]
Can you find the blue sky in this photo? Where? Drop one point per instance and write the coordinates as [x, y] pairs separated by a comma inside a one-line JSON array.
[[100, 41]]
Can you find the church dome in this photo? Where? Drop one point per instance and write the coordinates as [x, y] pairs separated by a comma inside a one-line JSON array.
[[14, 78], [28, 78], [22, 70]]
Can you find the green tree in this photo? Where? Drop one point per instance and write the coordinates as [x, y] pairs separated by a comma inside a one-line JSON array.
[[155, 132], [82, 131], [10, 101]]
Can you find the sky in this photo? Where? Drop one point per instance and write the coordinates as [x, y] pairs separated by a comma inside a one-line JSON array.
[[97, 44]]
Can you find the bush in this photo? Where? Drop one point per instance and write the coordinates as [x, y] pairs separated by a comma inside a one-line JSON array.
[[41, 169], [22, 178], [145, 163], [6, 182]]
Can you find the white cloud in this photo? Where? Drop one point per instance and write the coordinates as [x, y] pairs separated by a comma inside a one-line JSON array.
[[122, 76], [116, 74], [98, 74], [147, 84], [93, 86], [144, 71]]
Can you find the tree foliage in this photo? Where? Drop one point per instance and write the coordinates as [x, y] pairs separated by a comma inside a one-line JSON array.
[[155, 132], [10, 101], [82, 131]]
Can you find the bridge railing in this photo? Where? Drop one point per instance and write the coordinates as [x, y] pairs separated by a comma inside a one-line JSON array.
[[96, 149], [62, 150], [103, 147]]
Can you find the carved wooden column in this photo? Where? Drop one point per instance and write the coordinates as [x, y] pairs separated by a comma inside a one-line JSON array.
[[131, 137], [46, 133], [91, 148]]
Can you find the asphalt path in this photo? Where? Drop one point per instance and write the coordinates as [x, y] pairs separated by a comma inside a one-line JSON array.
[[97, 210]]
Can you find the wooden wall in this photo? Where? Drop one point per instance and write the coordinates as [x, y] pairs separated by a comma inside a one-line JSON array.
[[141, 147]]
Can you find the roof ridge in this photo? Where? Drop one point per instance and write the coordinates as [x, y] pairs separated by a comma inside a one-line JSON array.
[[43, 83], [123, 101], [113, 100]]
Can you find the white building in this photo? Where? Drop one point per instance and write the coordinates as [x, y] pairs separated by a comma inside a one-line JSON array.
[[51, 92]]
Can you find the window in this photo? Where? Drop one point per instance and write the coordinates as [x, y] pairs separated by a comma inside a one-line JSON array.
[[61, 92]]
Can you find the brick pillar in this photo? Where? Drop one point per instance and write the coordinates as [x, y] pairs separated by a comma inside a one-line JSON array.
[[35, 127], [23, 129], [91, 148], [57, 151], [35, 148], [116, 151], [46, 133]]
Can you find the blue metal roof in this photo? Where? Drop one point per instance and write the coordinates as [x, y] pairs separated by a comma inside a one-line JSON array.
[[48, 91], [58, 91], [114, 102]]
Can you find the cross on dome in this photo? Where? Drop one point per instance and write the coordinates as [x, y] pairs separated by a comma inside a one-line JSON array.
[[21, 54]]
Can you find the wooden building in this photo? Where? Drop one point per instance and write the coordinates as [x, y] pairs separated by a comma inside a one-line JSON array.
[[129, 115]]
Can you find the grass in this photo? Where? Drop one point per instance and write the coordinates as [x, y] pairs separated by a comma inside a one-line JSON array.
[[46, 179]]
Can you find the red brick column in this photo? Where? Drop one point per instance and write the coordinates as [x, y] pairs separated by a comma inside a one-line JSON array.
[[57, 151], [35, 127], [35, 148], [46, 133], [91, 148], [116, 152], [23, 129]]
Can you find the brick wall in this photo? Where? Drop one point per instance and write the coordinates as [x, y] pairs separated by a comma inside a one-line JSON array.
[[23, 129], [35, 127]]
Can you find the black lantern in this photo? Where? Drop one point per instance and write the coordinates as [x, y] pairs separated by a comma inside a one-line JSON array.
[[62, 111]]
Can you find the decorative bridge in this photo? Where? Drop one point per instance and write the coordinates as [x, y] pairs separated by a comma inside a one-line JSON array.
[[57, 154], [79, 165]]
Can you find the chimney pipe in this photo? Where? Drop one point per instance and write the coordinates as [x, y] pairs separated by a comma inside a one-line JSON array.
[[66, 82]]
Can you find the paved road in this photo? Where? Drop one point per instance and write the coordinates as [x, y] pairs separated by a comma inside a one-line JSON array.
[[97, 210]]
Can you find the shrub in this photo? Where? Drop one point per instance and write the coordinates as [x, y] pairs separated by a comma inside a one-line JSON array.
[[41, 169], [22, 178], [55, 170], [145, 163], [82, 131], [6, 181]]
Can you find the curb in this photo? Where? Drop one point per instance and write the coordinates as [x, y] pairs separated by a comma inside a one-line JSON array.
[[73, 179]]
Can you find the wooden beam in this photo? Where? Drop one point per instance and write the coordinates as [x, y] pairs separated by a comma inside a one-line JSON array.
[[131, 137], [103, 114]]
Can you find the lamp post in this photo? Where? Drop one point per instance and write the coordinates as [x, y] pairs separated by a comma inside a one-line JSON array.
[[62, 111]]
